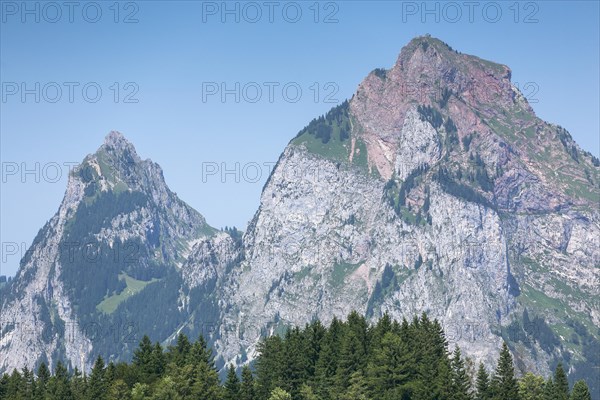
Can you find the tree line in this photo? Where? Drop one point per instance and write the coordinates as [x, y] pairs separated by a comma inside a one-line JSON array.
[[349, 360]]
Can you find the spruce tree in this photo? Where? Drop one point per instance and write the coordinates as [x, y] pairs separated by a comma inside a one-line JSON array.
[[157, 362], [232, 384], [206, 383], [247, 390], [4, 386], [433, 367], [549, 390], [351, 358], [561, 384], [580, 391], [59, 386], [43, 376], [97, 387], [314, 339], [504, 383], [200, 353], [482, 384], [461, 384], [142, 359], [181, 351], [383, 326], [78, 385], [358, 389], [269, 366], [28, 389], [109, 374], [326, 368], [295, 361], [443, 387], [354, 346], [16, 386], [390, 368]]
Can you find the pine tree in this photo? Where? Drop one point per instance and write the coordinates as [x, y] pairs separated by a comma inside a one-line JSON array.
[[461, 385], [232, 384], [482, 384], [504, 383], [247, 390], [580, 391], [97, 387], [561, 384]]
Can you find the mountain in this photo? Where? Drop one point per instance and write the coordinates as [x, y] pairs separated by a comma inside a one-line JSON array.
[[435, 189], [105, 268]]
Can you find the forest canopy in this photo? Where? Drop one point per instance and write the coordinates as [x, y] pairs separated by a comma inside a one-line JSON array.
[[349, 360]]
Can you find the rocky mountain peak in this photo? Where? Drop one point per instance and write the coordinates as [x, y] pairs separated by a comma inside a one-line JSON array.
[[116, 143], [117, 139], [116, 165], [468, 100]]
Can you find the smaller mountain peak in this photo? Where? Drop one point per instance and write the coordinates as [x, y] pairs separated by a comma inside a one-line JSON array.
[[116, 143], [115, 137]]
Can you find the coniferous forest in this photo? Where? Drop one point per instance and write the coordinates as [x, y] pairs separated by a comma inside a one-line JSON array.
[[349, 360]]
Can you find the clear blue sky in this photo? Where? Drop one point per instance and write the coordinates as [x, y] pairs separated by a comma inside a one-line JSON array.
[[176, 46]]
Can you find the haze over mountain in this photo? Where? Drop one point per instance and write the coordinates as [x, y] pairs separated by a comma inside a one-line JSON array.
[[434, 189]]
